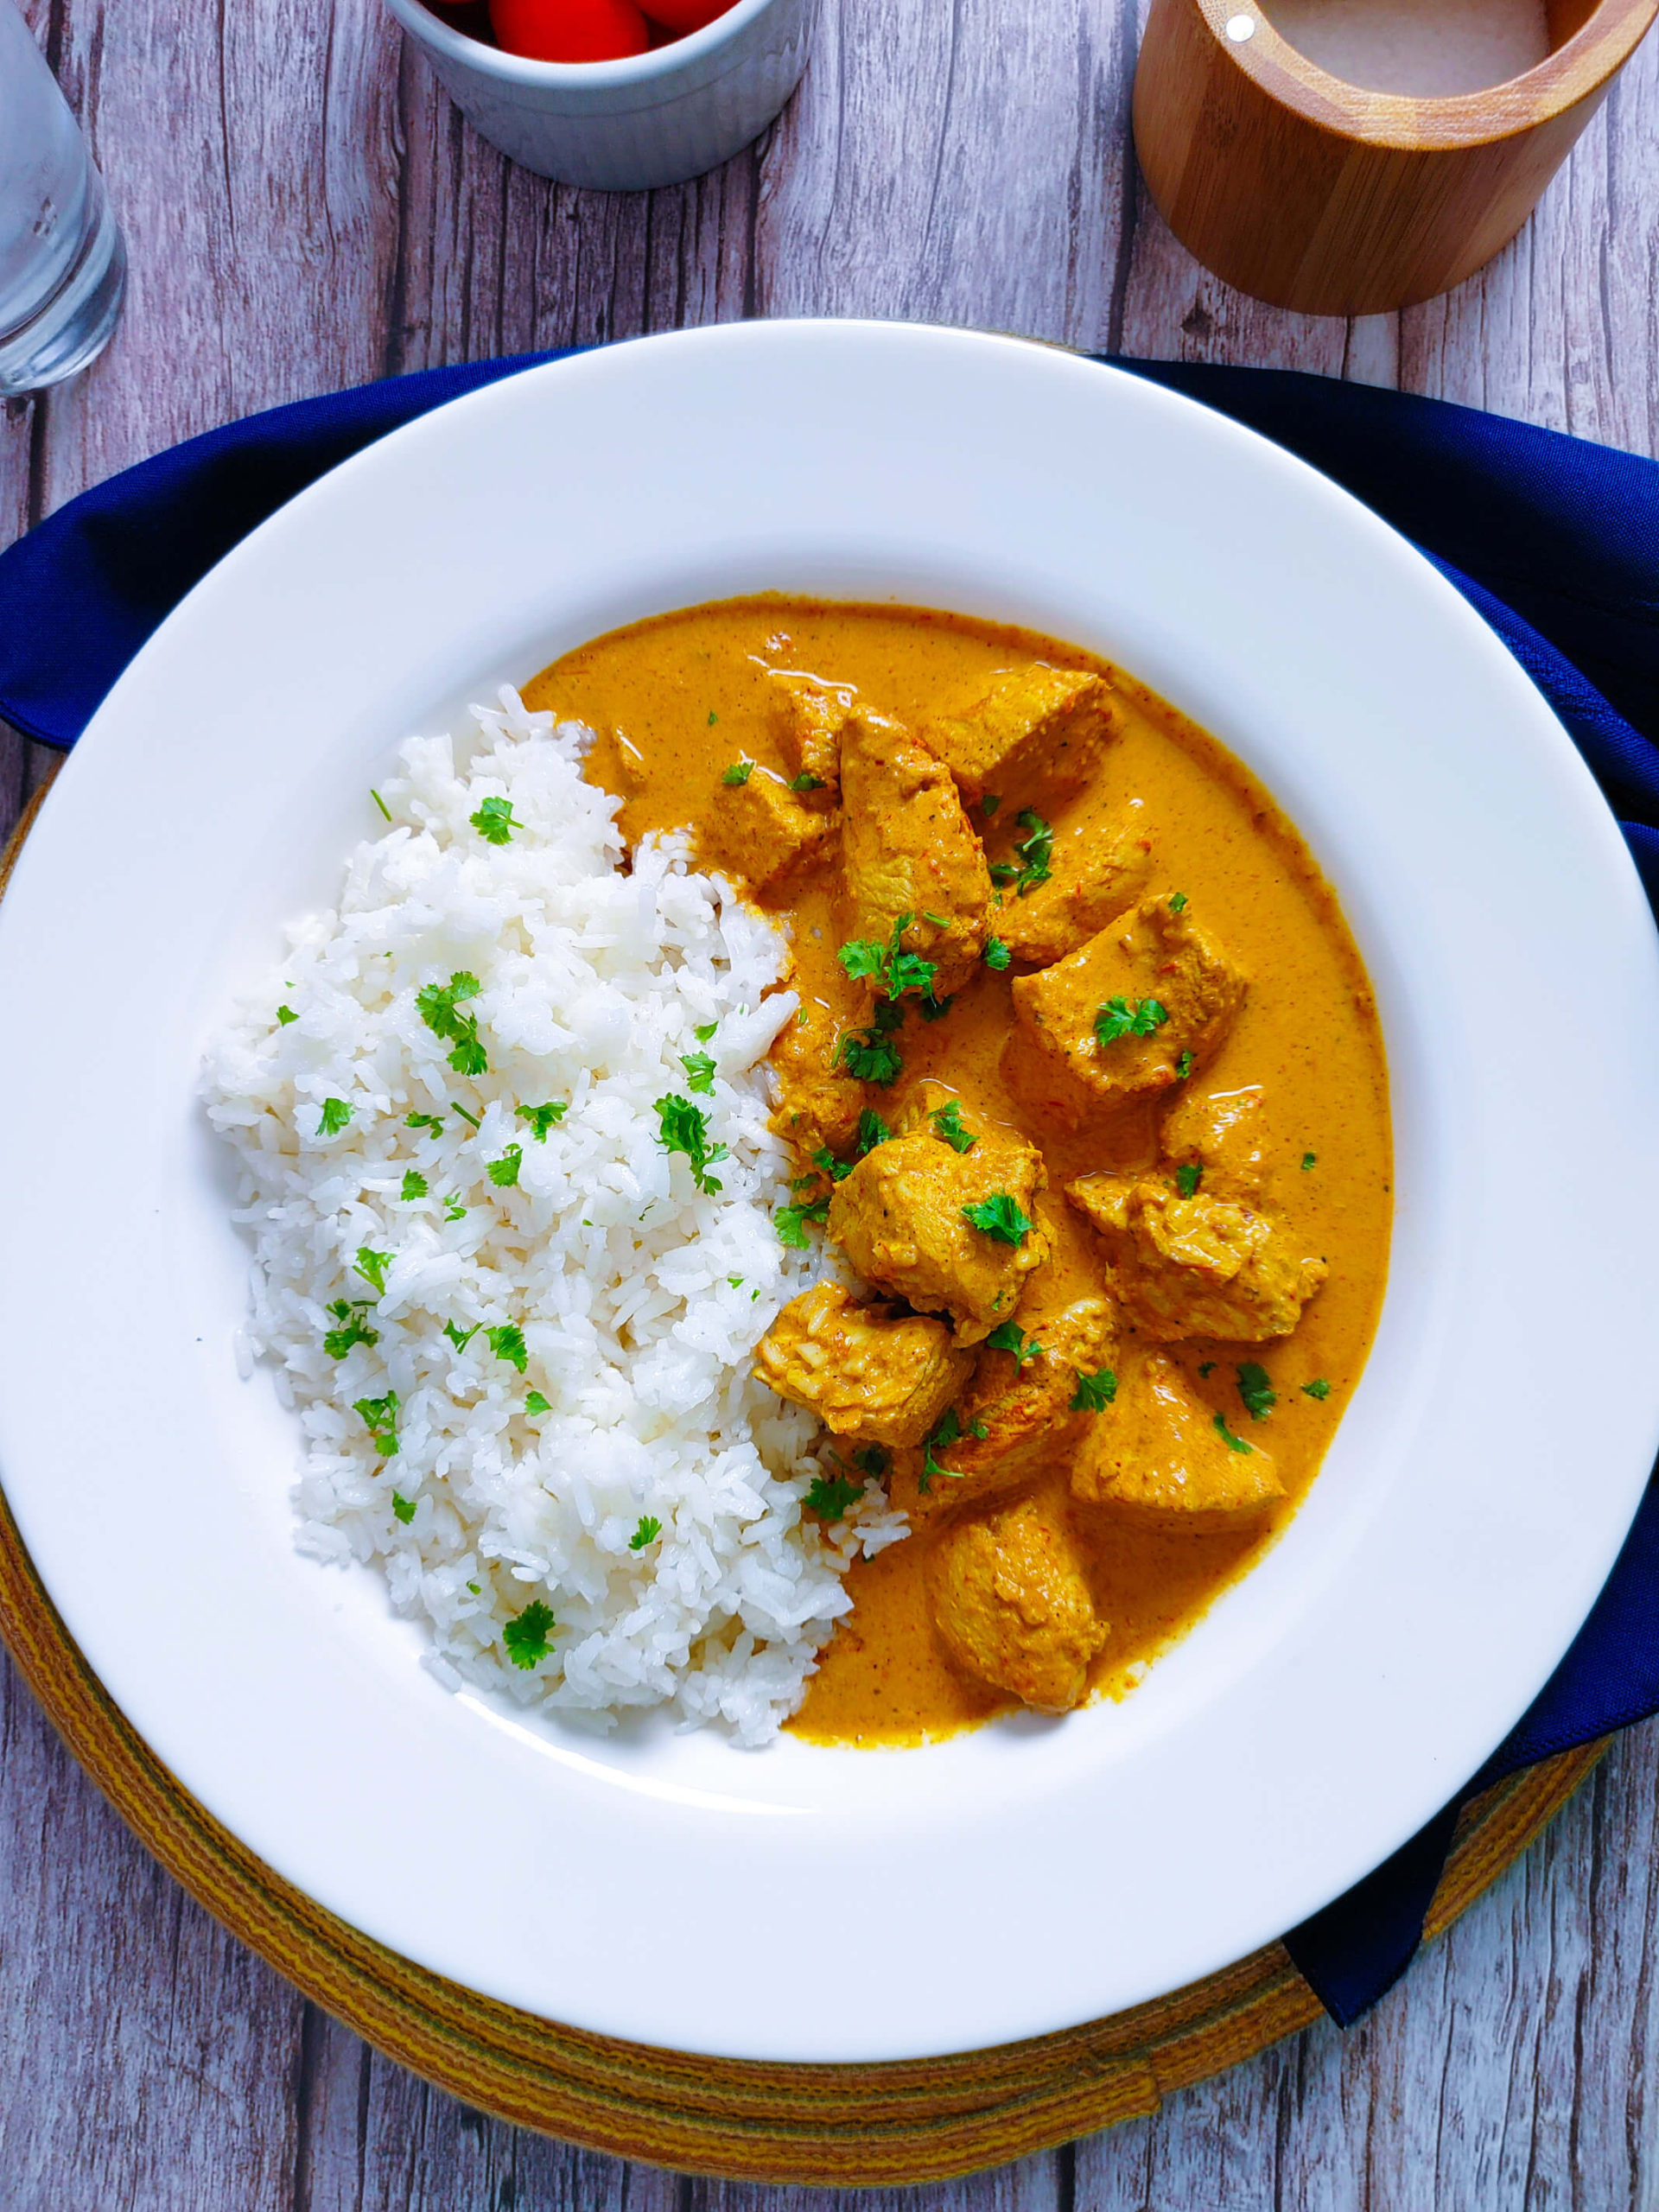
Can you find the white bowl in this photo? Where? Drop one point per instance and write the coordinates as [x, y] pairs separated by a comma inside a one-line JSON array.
[[625, 126], [805, 1903]]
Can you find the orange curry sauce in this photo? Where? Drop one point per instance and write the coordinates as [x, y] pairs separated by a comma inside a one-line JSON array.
[[676, 699]]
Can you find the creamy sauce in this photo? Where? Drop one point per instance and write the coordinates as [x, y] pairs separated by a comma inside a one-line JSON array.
[[676, 699]]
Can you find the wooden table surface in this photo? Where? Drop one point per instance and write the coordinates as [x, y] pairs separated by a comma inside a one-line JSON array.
[[305, 210]]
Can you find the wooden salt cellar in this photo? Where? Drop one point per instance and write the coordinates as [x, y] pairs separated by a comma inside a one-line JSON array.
[[1315, 194]]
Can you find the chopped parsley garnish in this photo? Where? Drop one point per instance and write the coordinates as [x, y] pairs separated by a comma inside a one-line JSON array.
[[945, 1433], [1309, 1159], [872, 1459], [683, 1128], [404, 1508], [372, 1266], [453, 1209], [997, 955], [870, 1055], [739, 772], [461, 1338], [713, 718], [827, 1164], [526, 1635], [936, 1009], [1036, 852], [947, 1123], [455, 1107], [734, 1282], [285, 1014], [989, 803], [832, 1497], [892, 969], [1010, 1337], [335, 1115], [535, 1405], [380, 802], [1206, 1367], [542, 1118], [1259, 1395], [872, 1131], [806, 781], [699, 1072], [379, 1417], [790, 1223], [647, 1533], [494, 821], [435, 1004], [508, 1342], [1094, 1393], [432, 1121], [351, 1330], [1185, 1066], [414, 1184], [503, 1172], [1188, 1176], [1233, 1443], [950, 1430], [1124, 1017], [999, 1216], [1177, 902], [1317, 1389], [704, 1030]]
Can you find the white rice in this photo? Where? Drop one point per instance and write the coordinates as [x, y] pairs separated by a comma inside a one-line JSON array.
[[640, 1301]]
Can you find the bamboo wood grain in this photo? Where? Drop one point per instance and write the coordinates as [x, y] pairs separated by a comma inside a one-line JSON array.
[[1314, 194]]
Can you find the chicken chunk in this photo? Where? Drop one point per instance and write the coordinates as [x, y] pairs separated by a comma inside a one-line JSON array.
[[868, 1375], [909, 852], [902, 1217], [1035, 737], [1094, 875], [1012, 1607], [818, 1106], [760, 831], [807, 718], [1015, 1419], [1160, 1452], [1220, 1135], [1197, 1267], [1126, 1017]]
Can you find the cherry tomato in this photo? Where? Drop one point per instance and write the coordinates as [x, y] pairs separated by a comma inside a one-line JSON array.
[[569, 30], [683, 15]]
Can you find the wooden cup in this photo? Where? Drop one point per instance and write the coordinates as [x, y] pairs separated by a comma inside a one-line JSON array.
[[1316, 195]]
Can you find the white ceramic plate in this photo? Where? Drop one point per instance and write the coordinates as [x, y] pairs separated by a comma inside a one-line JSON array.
[[805, 1903]]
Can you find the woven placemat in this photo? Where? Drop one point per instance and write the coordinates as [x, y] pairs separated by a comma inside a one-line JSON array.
[[925, 2120]]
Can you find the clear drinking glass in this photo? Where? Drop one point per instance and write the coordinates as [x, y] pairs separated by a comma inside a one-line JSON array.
[[63, 266]]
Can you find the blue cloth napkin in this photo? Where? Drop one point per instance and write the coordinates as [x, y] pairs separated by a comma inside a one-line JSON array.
[[1554, 541]]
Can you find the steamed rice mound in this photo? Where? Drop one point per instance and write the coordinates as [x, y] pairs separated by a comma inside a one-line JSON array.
[[638, 1298]]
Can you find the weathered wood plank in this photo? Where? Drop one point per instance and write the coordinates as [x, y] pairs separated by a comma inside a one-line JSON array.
[[148, 2057], [304, 211], [961, 165], [375, 2138], [17, 418]]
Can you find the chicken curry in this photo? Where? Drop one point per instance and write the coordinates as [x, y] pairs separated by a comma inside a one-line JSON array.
[[1087, 1093]]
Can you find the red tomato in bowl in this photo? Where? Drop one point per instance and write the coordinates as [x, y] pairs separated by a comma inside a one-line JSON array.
[[569, 30], [683, 16]]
